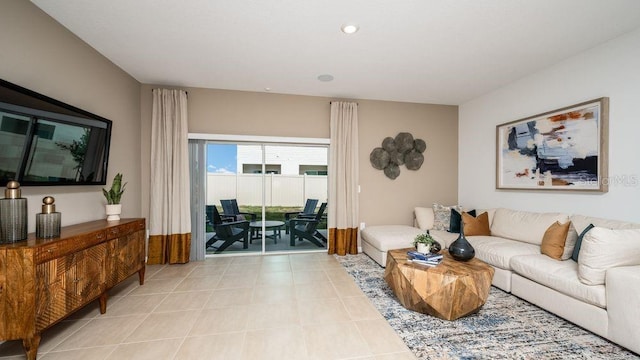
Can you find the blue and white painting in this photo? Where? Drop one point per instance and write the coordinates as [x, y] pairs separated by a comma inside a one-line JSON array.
[[560, 150]]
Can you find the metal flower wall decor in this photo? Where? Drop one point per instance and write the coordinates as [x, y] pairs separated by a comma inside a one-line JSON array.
[[403, 150]]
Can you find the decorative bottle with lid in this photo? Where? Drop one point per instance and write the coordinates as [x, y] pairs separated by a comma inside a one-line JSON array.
[[48, 222], [13, 214]]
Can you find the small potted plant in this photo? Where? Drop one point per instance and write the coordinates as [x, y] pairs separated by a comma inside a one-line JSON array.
[[113, 207], [424, 243]]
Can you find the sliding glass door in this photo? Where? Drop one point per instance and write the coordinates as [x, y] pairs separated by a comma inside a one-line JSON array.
[[272, 195], [233, 201]]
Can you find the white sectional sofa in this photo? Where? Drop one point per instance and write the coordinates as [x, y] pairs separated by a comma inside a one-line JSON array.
[[600, 292]]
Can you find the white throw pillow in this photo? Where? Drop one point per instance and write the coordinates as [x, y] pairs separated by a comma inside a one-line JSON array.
[[424, 217], [603, 249], [580, 222], [570, 243]]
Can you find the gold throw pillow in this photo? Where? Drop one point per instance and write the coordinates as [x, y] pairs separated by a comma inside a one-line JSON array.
[[476, 225], [554, 239]]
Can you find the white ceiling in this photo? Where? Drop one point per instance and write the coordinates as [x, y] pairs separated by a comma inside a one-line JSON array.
[[425, 51]]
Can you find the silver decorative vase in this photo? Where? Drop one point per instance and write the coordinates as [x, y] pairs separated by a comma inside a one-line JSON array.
[[48, 222], [13, 214]]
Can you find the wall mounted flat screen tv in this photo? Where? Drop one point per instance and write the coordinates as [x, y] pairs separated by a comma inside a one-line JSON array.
[[46, 142]]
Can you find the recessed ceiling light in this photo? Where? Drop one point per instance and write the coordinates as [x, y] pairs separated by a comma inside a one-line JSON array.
[[349, 28], [267, 89], [325, 77]]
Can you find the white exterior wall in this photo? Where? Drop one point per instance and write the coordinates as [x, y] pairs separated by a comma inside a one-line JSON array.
[[289, 157], [280, 190], [609, 70]]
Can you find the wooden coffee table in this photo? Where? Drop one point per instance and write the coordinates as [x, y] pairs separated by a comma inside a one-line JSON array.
[[450, 290]]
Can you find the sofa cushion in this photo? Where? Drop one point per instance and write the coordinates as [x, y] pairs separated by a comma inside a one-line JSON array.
[[604, 249], [554, 239], [456, 219], [424, 217], [445, 238], [390, 237], [524, 225], [442, 216], [476, 225], [561, 276], [580, 222], [498, 251]]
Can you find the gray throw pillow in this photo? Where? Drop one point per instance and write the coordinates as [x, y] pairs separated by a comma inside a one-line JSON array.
[[442, 216], [576, 249]]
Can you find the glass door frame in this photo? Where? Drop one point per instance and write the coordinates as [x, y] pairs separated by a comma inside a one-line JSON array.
[[262, 141]]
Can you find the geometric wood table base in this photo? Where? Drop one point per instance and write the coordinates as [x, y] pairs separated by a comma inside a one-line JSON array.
[[450, 290]]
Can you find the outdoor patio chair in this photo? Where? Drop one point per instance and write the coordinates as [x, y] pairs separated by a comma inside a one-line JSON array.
[[230, 208], [228, 232], [209, 213], [307, 213], [307, 229]]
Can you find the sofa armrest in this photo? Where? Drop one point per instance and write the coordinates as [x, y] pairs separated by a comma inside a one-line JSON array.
[[623, 306]]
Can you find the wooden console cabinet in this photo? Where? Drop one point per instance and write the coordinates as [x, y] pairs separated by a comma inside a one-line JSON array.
[[42, 281]]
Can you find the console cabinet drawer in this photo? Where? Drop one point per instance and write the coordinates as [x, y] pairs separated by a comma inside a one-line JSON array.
[[69, 245]]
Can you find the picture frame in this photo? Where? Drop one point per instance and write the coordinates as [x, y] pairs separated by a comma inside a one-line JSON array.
[[564, 149]]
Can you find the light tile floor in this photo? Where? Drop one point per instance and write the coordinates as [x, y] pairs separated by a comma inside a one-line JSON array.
[[302, 306]]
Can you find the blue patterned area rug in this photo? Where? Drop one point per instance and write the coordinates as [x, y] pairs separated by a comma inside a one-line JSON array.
[[506, 327]]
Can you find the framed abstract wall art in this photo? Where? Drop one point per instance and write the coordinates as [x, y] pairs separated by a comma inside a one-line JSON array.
[[564, 149]]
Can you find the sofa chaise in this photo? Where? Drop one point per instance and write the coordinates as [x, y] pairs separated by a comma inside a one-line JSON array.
[[599, 292]]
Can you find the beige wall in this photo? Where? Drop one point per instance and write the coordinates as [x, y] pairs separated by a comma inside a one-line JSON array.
[[239, 113], [253, 113], [41, 55], [382, 201]]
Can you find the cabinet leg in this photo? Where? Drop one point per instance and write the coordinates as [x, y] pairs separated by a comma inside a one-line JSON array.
[[141, 275], [103, 302], [30, 346]]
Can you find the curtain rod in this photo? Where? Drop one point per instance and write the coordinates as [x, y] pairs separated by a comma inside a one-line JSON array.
[[331, 102], [185, 91]]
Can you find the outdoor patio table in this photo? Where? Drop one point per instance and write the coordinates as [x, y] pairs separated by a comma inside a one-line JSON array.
[[275, 226]]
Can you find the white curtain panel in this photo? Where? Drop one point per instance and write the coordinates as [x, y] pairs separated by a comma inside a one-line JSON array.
[[169, 213], [343, 178]]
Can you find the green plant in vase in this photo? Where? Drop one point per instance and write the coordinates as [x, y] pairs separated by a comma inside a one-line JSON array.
[[113, 197], [425, 243], [115, 193]]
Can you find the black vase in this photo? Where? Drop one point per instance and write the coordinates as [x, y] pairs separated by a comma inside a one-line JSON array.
[[435, 247], [460, 249]]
